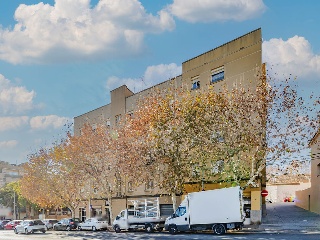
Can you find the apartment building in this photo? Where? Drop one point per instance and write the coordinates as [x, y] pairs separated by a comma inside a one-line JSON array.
[[232, 64], [9, 173]]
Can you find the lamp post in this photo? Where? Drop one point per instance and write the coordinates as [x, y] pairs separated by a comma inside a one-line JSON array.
[[14, 204]]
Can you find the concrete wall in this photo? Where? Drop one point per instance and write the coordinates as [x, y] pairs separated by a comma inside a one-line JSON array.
[[303, 199], [309, 199]]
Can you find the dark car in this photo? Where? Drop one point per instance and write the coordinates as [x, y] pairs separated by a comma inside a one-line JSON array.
[[67, 224], [4, 222]]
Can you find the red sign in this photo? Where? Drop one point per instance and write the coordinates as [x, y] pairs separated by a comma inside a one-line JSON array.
[[264, 193]]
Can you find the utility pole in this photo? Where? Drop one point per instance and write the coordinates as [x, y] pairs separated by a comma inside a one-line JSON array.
[[14, 205]]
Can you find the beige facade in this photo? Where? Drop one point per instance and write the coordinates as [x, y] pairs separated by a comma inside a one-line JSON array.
[[236, 63], [309, 199]]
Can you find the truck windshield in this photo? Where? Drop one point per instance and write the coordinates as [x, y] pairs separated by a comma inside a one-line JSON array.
[[180, 211]]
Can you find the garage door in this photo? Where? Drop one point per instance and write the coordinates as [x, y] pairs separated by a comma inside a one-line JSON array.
[[166, 209]]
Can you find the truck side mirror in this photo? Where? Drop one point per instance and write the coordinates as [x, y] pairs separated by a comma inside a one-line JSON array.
[[117, 217], [174, 215]]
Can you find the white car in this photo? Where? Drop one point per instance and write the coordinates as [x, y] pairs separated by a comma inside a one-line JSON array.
[[49, 223], [30, 226], [93, 224]]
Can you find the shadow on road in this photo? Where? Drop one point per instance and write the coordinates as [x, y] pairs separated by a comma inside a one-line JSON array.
[[287, 216]]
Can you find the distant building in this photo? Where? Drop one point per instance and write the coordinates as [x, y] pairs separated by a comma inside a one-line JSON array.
[[235, 63], [9, 173], [309, 199], [279, 192]]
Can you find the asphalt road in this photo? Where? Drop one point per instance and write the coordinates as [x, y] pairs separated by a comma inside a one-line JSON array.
[[290, 235]]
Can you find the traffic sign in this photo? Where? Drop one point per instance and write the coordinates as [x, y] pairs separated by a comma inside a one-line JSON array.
[[264, 193]]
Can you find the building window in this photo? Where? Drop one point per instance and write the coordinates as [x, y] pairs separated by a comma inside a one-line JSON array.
[[118, 119], [195, 83], [130, 187], [149, 185], [217, 74], [118, 186]]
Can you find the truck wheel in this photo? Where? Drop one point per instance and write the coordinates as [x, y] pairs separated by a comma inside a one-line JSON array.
[[159, 229], [173, 229], [117, 229], [219, 229], [148, 228]]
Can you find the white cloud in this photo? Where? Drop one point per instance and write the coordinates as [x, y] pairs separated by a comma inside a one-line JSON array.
[[73, 29], [12, 123], [14, 99], [218, 10], [152, 76], [293, 56], [50, 121], [8, 144]]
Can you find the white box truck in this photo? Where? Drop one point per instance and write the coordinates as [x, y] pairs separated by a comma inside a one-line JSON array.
[[145, 214], [217, 210]]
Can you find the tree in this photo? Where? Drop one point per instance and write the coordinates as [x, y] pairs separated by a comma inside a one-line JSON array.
[[227, 136], [37, 182], [92, 156], [51, 179]]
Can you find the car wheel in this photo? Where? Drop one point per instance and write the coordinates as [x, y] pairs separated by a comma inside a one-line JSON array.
[[43, 231], [219, 229], [68, 228], [26, 231], [117, 229], [79, 228], [15, 231], [173, 229], [148, 228], [94, 228]]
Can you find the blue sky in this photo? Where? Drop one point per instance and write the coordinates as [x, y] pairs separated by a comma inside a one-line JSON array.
[[60, 59]]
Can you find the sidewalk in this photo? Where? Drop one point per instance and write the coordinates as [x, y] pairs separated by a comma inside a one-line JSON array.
[[285, 216]]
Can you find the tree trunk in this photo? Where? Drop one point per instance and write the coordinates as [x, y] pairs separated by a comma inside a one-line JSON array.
[[174, 201]]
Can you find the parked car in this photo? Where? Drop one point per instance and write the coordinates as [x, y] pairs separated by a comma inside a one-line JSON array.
[[67, 224], [289, 199], [30, 226], [4, 222], [11, 225], [49, 223], [93, 224]]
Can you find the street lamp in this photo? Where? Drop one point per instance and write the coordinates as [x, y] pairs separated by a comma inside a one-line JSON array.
[[14, 205]]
